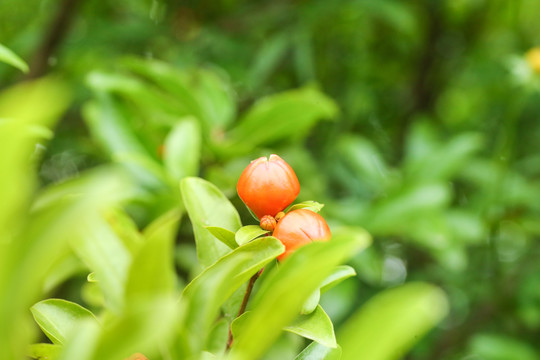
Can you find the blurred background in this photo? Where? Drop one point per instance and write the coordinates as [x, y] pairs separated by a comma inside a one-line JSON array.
[[417, 120]]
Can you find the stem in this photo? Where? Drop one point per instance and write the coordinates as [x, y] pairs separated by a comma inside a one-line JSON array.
[[244, 303]]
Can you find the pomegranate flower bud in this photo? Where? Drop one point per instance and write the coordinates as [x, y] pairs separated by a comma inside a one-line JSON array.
[[267, 186], [268, 223], [300, 227]]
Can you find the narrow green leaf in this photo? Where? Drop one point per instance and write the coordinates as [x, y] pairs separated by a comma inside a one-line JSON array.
[[316, 326], [311, 303], [81, 345], [183, 149], [44, 351], [106, 255], [249, 232], [9, 57], [92, 278], [339, 274], [316, 351], [223, 235], [269, 120], [58, 318], [152, 270], [207, 206], [294, 280], [208, 291], [142, 328], [389, 324], [309, 205], [56, 217]]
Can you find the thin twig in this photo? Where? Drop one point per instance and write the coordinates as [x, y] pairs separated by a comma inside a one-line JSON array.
[[244, 303]]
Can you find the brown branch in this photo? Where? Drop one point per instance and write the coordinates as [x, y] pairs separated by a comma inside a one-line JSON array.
[[53, 38], [244, 303]]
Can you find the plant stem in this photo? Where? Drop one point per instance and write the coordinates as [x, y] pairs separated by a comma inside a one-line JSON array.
[[244, 303]]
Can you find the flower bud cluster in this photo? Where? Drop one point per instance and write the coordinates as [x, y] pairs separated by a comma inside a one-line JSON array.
[[267, 187]]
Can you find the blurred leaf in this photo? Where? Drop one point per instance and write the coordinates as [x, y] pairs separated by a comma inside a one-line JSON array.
[[64, 268], [81, 345], [9, 57], [56, 217], [23, 109], [207, 206], [500, 347], [389, 324], [199, 92], [316, 326], [223, 235], [368, 167], [152, 269], [249, 232], [316, 351], [309, 205], [339, 274], [269, 120], [44, 351], [311, 303], [143, 328], [394, 213], [208, 291], [295, 279], [267, 59], [439, 161], [183, 149], [146, 97], [107, 256], [125, 228], [109, 125], [217, 340], [58, 318]]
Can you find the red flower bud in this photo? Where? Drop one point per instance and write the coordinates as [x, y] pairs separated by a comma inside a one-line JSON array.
[[268, 186], [300, 227]]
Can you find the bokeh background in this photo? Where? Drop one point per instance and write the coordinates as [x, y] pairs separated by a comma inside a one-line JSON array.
[[417, 120]]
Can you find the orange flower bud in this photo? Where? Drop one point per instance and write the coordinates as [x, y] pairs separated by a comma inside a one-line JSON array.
[[268, 186], [300, 227], [268, 223]]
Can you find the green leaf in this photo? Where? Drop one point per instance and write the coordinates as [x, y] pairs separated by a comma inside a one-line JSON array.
[[339, 274], [44, 351], [223, 235], [501, 347], [316, 351], [389, 324], [269, 120], [109, 125], [56, 217], [294, 280], [58, 318], [183, 149], [9, 57], [249, 232], [106, 255], [152, 270], [309, 205], [207, 206], [311, 303], [82, 344], [208, 291], [142, 328], [316, 326]]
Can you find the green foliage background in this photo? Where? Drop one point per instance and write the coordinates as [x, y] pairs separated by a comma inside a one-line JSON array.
[[417, 121]]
